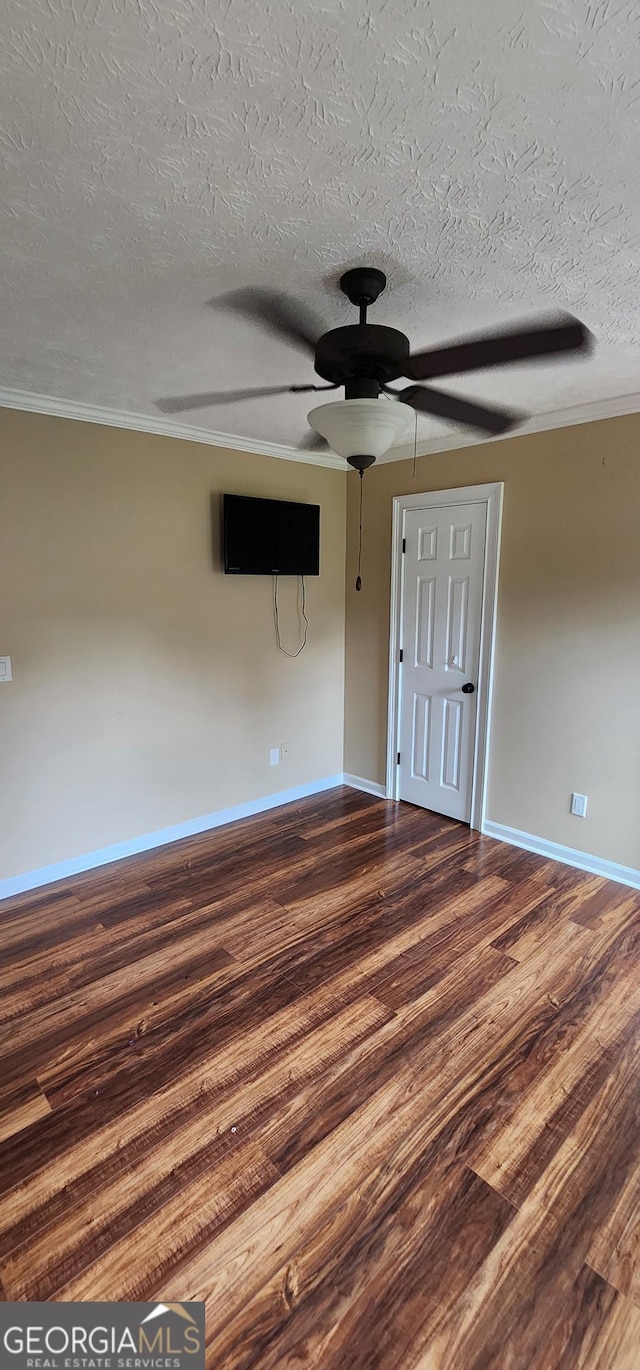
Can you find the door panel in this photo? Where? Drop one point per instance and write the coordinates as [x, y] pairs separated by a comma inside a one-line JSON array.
[[425, 621], [457, 624], [421, 738], [451, 744], [442, 581]]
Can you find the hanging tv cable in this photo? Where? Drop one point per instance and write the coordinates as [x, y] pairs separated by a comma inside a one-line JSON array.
[[276, 617]]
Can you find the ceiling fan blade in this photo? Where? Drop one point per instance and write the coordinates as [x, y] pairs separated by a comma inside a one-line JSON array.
[[279, 314], [176, 404], [459, 410], [498, 349]]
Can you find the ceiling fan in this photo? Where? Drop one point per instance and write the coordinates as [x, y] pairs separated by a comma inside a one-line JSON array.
[[365, 358]]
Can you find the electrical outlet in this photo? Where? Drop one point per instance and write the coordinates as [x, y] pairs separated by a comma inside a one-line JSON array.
[[5, 668], [579, 805], [274, 756], [284, 751]]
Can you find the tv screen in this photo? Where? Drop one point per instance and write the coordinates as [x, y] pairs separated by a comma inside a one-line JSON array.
[[266, 537]]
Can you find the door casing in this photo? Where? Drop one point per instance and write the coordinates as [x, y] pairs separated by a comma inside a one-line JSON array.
[[492, 496]]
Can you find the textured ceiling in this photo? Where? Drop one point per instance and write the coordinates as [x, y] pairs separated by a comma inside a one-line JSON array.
[[157, 152]]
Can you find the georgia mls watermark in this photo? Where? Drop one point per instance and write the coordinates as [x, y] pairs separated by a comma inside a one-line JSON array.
[[102, 1336]]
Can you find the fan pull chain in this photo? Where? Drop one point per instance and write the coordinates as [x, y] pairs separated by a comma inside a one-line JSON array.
[[359, 577], [415, 444]]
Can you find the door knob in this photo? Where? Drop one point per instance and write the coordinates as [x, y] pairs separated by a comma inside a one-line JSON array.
[[468, 689]]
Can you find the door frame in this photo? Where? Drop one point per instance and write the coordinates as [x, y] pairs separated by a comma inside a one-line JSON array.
[[491, 496]]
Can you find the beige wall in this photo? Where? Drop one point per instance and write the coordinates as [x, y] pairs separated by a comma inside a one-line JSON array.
[[566, 710], [147, 685]]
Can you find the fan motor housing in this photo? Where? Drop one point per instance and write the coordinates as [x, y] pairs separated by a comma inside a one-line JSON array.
[[362, 352]]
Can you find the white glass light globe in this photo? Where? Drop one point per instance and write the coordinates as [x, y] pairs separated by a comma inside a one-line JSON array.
[[360, 428]]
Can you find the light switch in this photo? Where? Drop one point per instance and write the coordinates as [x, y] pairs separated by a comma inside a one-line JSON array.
[[5, 668]]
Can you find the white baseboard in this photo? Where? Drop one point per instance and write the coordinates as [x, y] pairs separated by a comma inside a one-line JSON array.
[[356, 782], [569, 856], [46, 875], [31, 880]]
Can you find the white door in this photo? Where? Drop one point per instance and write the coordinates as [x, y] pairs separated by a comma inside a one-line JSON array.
[[440, 620]]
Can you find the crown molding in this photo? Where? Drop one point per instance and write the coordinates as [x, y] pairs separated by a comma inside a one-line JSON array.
[[592, 411], [166, 428]]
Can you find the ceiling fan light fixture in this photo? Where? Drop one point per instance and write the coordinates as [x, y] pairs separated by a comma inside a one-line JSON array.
[[355, 428]]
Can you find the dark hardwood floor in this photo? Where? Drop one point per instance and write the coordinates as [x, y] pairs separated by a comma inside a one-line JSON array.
[[365, 1082]]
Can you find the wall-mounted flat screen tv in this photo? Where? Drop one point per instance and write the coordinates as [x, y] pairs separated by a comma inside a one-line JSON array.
[[266, 537]]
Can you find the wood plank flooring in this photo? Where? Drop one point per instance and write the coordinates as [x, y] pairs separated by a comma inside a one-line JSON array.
[[365, 1082]]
